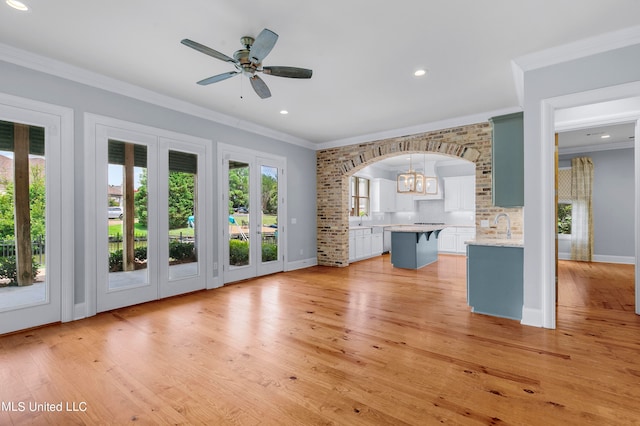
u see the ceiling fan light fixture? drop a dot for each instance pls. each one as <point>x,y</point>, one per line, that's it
<point>18,5</point>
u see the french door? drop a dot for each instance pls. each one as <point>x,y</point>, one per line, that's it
<point>36,226</point>
<point>252,212</point>
<point>150,192</point>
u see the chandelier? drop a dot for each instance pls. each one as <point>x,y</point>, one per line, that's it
<point>410,182</point>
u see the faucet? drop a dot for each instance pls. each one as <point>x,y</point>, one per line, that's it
<point>495,222</point>
<point>361,216</point>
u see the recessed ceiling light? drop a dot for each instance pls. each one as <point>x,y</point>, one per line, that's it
<point>18,5</point>
<point>605,136</point>
<point>284,112</point>
<point>420,73</point>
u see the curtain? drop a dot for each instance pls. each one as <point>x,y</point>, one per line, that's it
<point>581,209</point>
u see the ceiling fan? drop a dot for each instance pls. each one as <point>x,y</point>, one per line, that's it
<point>248,61</point>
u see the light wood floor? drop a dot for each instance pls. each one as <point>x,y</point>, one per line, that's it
<point>363,345</point>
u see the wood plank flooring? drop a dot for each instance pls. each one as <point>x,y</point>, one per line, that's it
<point>364,345</point>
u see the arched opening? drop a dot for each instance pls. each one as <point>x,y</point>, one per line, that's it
<point>336,165</point>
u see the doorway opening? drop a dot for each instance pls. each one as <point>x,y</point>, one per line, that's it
<point>607,280</point>
<point>579,111</point>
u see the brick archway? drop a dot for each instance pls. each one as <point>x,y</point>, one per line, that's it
<point>334,167</point>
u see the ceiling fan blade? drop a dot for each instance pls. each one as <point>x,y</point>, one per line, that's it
<point>217,78</point>
<point>260,87</point>
<point>207,50</point>
<point>262,45</point>
<point>289,72</point>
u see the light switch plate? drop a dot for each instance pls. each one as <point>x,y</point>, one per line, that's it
<point>484,223</point>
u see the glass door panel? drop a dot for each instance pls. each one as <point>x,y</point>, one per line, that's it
<point>269,212</point>
<point>239,208</point>
<point>182,209</point>
<point>125,218</point>
<point>127,215</point>
<point>270,200</point>
<point>23,207</point>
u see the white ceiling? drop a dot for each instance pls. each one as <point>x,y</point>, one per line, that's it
<point>363,53</point>
<point>619,135</point>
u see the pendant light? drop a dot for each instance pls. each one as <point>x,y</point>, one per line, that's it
<point>410,182</point>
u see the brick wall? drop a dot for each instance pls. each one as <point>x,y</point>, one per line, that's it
<point>334,167</point>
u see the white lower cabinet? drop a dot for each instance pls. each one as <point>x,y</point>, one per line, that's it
<point>447,240</point>
<point>452,239</point>
<point>352,246</point>
<point>376,244</point>
<point>365,243</point>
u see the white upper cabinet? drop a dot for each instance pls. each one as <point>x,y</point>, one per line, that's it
<point>459,193</point>
<point>383,195</point>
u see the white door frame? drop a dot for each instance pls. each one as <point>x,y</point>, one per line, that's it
<point>548,129</point>
<point>254,159</point>
<point>58,124</point>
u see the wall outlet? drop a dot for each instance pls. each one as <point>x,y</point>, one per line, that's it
<point>215,266</point>
<point>484,223</point>
<point>301,251</point>
<point>294,220</point>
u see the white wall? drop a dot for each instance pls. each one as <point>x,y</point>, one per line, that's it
<point>613,210</point>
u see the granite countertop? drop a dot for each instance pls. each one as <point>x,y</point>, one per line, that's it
<point>416,228</point>
<point>497,242</point>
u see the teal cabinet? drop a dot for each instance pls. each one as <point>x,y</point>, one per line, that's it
<point>508,160</point>
<point>495,280</point>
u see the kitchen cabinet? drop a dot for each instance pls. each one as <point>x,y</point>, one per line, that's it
<point>376,244</point>
<point>495,280</point>
<point>383,195</point>
<point>459,193</point>
<point>352,246</point>
<point>447,241</point>
<point>452,239</point>
<point>507,153</point>
<point>386,241</point>
<point>365,243</point>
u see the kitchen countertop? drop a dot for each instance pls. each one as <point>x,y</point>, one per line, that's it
<point>497,242</point>
<point>415,228</point>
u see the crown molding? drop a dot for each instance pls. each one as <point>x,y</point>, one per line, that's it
<point>579,49</point>
<point>420,128</point>
<point>595,147</point>
<point>80,75</point>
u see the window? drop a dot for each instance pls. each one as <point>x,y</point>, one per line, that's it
<point>359,196</point>
<point>564,218</point>
<point>564,201</point>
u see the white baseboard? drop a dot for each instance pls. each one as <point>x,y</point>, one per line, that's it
<point>532,317</point>
<point>301,264</point>
<point>628,260</point>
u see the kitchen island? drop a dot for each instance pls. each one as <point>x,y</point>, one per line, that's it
<point>414,246</point>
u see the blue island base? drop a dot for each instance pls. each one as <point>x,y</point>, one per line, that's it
<point>413,250</point>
